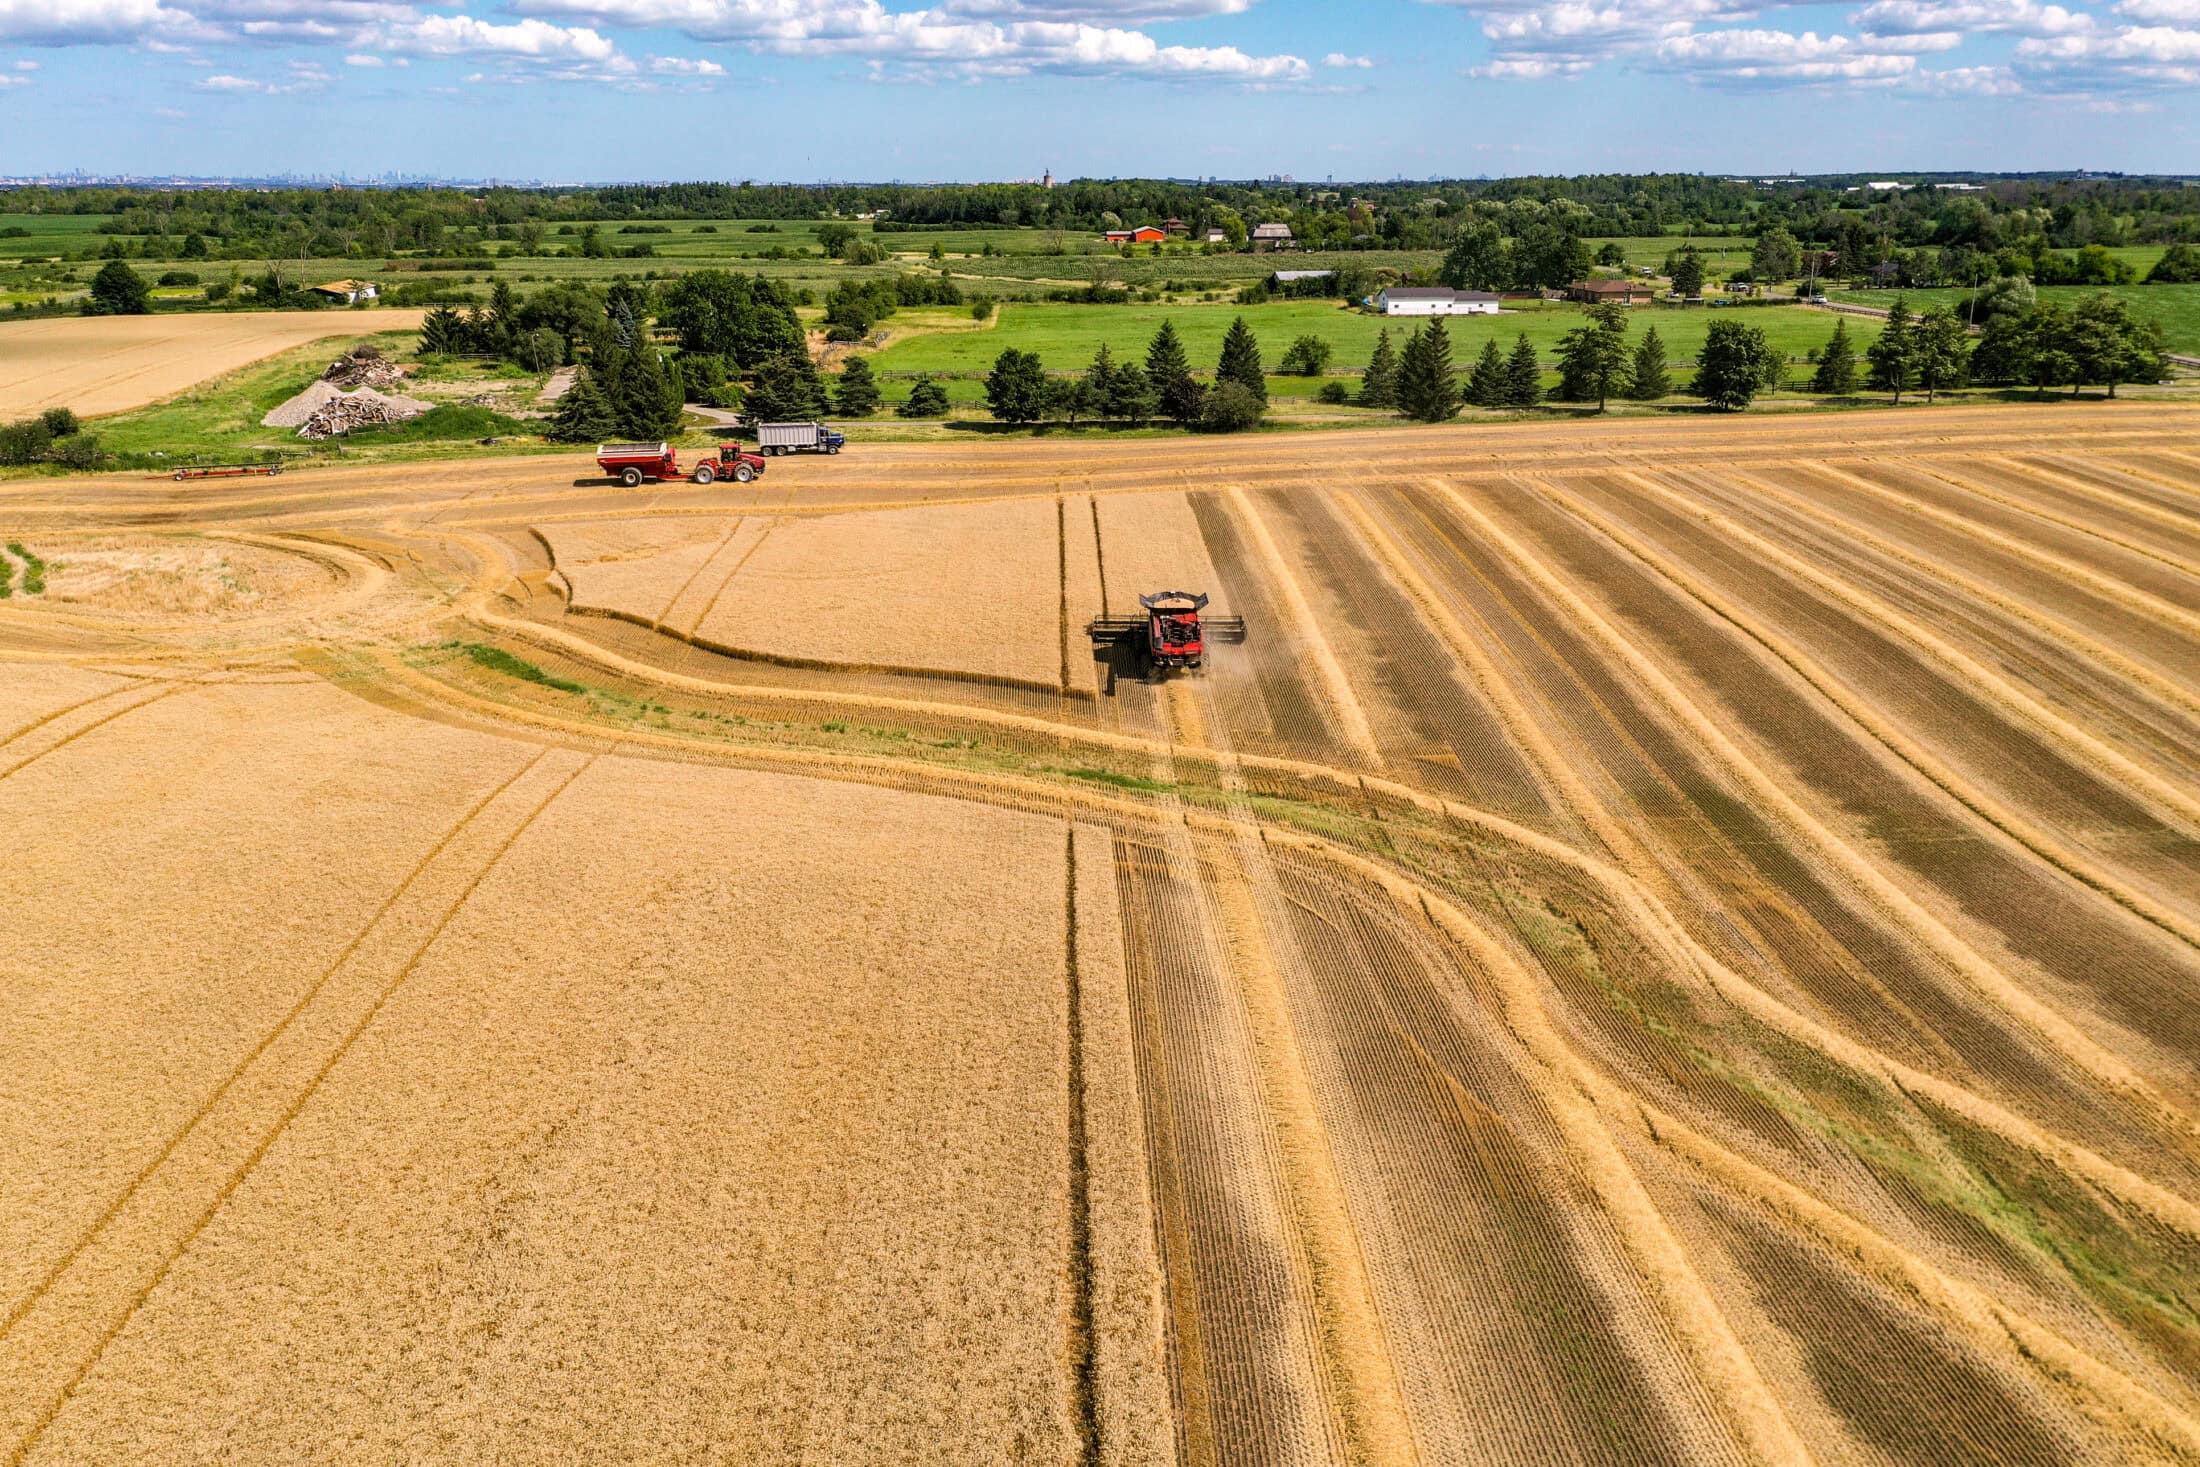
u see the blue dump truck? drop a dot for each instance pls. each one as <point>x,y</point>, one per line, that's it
<point>778,438</point>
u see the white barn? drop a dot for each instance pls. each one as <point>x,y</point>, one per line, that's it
<point>1435,300</point>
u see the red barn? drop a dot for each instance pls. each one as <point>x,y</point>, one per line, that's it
<point>1143,234</point>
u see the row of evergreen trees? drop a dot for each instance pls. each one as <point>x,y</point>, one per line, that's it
<point>1019,390</point>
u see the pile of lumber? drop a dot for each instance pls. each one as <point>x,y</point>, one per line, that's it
<point>363,366</point>
<point>343,411</point>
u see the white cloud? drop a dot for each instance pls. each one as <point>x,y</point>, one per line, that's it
<point>1965,81</point>
<point>2130,56</point>
<point>681,66</point>
<point>1536,68</point>
<point>932,39</point>
<point>1338,58</point>
<point>13,81</point>
<point>2018,17</point>
<point>1095,12</point>
<point>2161,12</point>
<point>358,60</point>
<point>1755,56</point>
<point>85,22</point>
<point>26,66</point>
<point>463,35</point>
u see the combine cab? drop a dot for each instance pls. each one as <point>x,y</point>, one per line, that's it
<point>1171,635</point>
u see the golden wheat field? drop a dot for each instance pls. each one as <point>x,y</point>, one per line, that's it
<point>110,364</point>
<point>1669,942</point>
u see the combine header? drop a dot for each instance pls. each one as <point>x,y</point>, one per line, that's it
<point>1171,634</point>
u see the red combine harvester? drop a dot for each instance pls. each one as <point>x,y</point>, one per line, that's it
<point>1171,634</point>
<point>630,463</point>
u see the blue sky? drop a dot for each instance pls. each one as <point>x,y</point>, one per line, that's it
<point>571,90</point>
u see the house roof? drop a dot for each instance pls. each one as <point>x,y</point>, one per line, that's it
<point>1608,287</point>
<point>1271,231</point>
<point>1423,293</point>
<point>342,287</point>
<point>1304,274</point>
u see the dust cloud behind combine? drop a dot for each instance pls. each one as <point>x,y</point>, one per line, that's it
<point>1670,943</point>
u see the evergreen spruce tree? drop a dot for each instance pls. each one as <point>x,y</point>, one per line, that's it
<point>1649,380</point>
<point>1379,388</point>
<point>1487,385</point>
<point>1893,356</point>
<point>1592,358</point>
<point>927,399</point>
<point>857,394</point>
<point>1169,376</point>
<point>1241,361</point>
<point>1523,375</point>
<point>584,414</point>
<point>1836,374</point>
<point>1427,390</point>
<point>441,330</point>
<point>1100,381</point>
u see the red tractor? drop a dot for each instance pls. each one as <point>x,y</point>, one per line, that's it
<point>1171,635</point>
<point>630,463</point>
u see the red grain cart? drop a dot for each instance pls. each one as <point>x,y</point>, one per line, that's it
<point>630,463</point>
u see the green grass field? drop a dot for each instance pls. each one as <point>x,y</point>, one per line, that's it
<point>2177,307</point>
<point>219,421</point>
<point>1066,336</point>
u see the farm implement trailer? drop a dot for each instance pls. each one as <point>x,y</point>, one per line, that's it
<point>1171,635</point>
<point>219,471</point>
<point>631,463</point>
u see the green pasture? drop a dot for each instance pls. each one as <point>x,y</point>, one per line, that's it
<point>1067,336</point>
<point>2177,307</point>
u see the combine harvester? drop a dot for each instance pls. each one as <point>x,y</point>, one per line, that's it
<point>1171,635</point>
<point>630,463</point>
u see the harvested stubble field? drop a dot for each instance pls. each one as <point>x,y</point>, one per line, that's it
<point>109,364</point>
<point>1672,942</point>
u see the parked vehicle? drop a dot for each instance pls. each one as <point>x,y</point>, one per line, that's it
<point>798,438</point>
<point>630,463</point>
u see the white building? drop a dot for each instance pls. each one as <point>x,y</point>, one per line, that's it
<point>350,292</point>
<point>1435,300</point>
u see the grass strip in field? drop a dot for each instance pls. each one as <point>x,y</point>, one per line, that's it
<point>496,659</point>
<point>34,570</point>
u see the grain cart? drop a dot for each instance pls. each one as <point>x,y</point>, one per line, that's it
<point>1171,635</point>
<point>798,438</point>
<point>630,463</point>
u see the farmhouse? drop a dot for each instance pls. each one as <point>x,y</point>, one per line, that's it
<point>1272,237</point>
<point>1435,300</point>
<point>1143,234</point>
<point>347,292</point>
<point>1176,226</point>
<point>1620,292</point>
<point>1218,236</point>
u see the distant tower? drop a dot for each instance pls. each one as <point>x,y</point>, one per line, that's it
<point>1046,179</point>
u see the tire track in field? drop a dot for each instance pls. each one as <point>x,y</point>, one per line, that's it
<point>237,1178</point>
<point>2076,1046</point>
<point>1083,1341</point>
<point>2039,841</point>
<point>167,689</point>
<point>2037,467</point>
<point>267,1041</point>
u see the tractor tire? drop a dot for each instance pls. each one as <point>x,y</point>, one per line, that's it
<point>704,473</point>
<point>632,478</point>
<point>180,476</point>
<point>742,473</point>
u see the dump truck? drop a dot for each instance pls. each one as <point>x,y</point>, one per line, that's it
<point>630,463</point>
<point>1171,635</point>
<point>798,438</point>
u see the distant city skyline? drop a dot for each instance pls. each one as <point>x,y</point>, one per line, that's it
<point>976,90</point>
